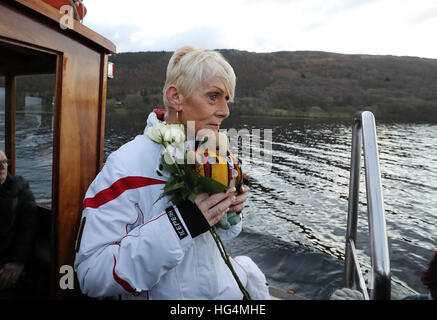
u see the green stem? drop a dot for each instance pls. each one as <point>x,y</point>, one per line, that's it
<point>172,159</point>
<point>225,257</point>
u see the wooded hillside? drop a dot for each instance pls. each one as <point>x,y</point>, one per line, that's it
<point>296,84</point>
<point>302,84</point>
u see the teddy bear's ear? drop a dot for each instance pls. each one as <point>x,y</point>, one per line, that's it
<point>222,144</point>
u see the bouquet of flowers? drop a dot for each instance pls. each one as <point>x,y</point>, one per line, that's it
<point>191,174</point>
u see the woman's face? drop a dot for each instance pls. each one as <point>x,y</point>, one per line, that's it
<point>3,167</point>
<point>207,106</point>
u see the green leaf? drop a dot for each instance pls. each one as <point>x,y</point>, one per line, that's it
<point>204,140</point>
<point>173,187</point>
<point>162,195</point>
<point>168,167</point>
<point>210,185</point>
<point>192,197</point>
<point>187,183</point>
<point>171,181</point>
<point>185,192</point>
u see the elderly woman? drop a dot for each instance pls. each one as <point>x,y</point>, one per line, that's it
<point>18,223</point>
<point>130,245</point>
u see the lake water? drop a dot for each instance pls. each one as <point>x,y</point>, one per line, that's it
<point>295,216</point>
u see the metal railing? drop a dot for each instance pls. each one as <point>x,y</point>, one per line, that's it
<point>379,284</point>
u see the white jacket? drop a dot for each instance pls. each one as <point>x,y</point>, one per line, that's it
<point>130,246</point>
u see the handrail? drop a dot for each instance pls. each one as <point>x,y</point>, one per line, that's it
<point>364,133</point>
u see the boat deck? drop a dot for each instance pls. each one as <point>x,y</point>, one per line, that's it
<point>280,294</point>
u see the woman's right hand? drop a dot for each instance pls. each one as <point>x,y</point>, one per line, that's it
<point>214,207</point>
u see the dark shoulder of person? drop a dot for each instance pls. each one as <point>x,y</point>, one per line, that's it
<point>18,186</point>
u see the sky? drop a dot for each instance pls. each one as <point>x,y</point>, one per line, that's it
<point>381,27</point>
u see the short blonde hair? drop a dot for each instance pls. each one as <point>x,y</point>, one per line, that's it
<point>190,66</point>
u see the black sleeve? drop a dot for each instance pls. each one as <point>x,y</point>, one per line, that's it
<point>193,218</point>
<point>26,226</point>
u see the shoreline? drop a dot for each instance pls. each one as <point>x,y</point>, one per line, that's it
<point>301,116</point>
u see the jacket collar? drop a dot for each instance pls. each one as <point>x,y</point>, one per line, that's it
<point>151,120</point>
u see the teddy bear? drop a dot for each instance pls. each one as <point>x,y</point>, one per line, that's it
<point>215,160</point>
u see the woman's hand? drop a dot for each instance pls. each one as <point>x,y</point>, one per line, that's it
<point>214,207</point>
<point>237,204</point>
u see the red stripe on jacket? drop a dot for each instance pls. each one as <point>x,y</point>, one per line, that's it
<point>117,188</point>
<point>126,286</point>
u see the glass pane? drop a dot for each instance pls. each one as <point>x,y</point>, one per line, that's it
<point>34,132</point>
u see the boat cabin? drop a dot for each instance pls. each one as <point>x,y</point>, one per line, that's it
<point>33,42</point>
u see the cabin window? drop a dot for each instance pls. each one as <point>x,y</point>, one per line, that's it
<point>33,131</point>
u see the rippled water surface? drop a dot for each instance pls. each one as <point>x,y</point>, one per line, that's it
<point>295,217</point>
<point>303,199</point>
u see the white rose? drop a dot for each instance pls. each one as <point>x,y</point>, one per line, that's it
<point>167,135</point>
<point>174,134</point>
<point>156,132</point>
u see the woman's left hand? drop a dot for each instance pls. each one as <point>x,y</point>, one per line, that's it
<point>238,204</point>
